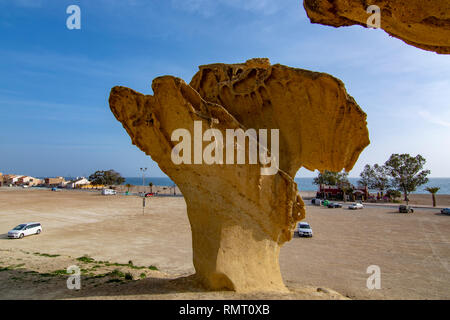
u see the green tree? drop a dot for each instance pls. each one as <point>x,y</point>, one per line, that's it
<point>433,191</point>
<point>375,177</point>
<point>406,172</point>
<point>331,178</point>
<point>393,194</point>
<point>366,176</point>
<point>106,177</point>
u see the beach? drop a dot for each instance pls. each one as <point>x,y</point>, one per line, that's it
<point>412,250</point>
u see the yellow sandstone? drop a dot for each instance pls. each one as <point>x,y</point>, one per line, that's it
<point>424,24</point>
<point>239,217</point>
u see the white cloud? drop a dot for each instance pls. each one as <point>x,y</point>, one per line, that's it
<point>434,119</point>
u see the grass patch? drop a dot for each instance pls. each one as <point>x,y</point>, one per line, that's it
<point>45,275</point>
<point>142,275</point>
<point>136,267</point>
<point>99,264</point>
<point>116,273</point>
<point>86,259</point>
<point>11,267</point>
<point>60,272</point>
<point>47,255</point>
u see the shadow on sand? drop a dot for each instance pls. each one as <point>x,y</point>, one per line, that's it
<point>16,283</point>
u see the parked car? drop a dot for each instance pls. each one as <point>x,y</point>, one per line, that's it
<point>325,203</point>
<point>356,206</point>
<point>334,205</point>
<point>317,202</point>
<point>150,194</point>
<point>445,211</point>
<point>106,192</point>
<point>405,209</point>
<point>304,230</point>
<point>25,229</point>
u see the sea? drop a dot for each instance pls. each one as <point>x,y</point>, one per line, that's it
<point>304,184</point>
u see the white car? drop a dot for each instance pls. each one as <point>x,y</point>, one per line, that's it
<point>25,229</point>
<point>107,192</point>
<point>356,206</point>
<point>304,230</point>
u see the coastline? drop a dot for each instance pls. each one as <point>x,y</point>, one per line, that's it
<point>422,200</point>
<point>305,184</point>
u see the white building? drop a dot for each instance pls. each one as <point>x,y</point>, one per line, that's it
<point>28,181</point>
<point>78,182</point>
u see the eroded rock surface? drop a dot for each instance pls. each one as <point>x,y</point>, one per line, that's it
<point>239,217</point>
<point>424,24</point>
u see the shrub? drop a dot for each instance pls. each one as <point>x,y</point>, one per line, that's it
<point>86,259</point>
<point>128,276</point>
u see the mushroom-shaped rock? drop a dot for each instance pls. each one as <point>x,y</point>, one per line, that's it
<point>424,24</point>
<point>240,209</point>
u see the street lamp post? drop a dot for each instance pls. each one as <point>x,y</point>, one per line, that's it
<point>143,176</point>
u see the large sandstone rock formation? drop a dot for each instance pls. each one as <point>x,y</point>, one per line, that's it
<point>424,24</point>
<point>240,217</point>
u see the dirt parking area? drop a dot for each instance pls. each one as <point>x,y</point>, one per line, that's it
<point>412,251</point>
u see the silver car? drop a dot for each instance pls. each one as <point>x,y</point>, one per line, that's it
<point>304,230</point>
<point>25,229</point>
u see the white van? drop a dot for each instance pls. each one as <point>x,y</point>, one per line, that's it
<point>25,229</point>
<point>107,192</point>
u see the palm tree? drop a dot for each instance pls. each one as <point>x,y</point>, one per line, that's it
<point>151,187</point>
<point>433,191</point>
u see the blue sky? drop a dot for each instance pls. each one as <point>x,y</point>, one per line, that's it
<point>55,82</point>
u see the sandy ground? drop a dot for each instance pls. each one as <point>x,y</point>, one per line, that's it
<point>412,251</point>
<point>442,200</point>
